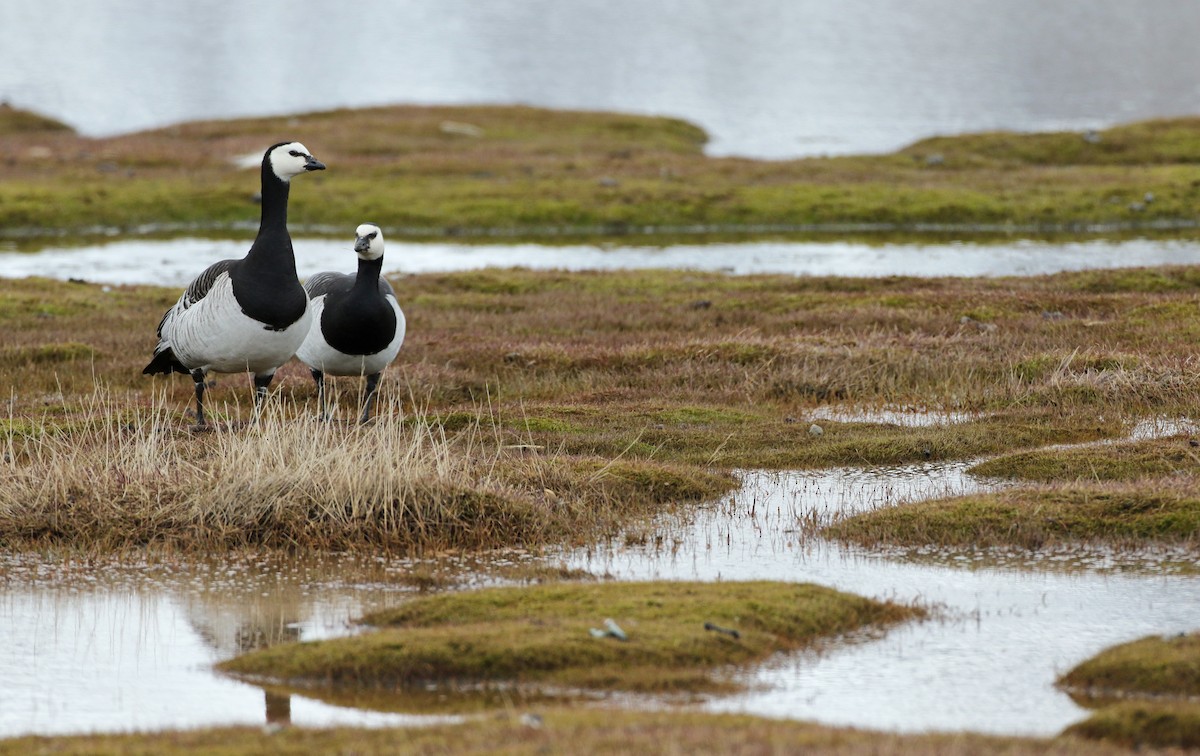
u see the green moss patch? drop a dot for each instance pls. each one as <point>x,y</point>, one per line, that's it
<point>1154,666</point>
<point>1125,461</point>
<point>1119,515</point>
<point>45,354</point>
<point>546,635</point>
<point>1142,724</point>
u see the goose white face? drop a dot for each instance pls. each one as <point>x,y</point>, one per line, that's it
<point>369,242</point>
<point>292,159</point>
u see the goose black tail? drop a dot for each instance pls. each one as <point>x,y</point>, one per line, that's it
<point>164,363</point>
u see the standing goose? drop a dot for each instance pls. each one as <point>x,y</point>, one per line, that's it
<point>357,325</point>
<point>247,315</point>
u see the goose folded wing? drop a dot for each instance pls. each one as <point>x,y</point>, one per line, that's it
<point>320,284</point>
<point>197,289</point>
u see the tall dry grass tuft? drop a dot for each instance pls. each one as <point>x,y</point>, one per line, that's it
<point>122,476</point>
<point>124,472</point>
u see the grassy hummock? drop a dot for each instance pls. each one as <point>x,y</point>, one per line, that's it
<point>121,475</point>
<point>1143,724</point>
<point>1152,666</point>
<point>543,636</point>
<point>1119,515</point>
<point>1157,457</point>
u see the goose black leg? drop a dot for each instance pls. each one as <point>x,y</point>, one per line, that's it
<point>198,377</point>
<point>369,399</point>
<point>319,378</point>
<point>261,382</point>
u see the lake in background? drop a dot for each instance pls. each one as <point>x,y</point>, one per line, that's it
<point>766,78</point>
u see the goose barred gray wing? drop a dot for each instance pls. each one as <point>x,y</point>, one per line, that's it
<point>320,284</point>
<point>197,289</point>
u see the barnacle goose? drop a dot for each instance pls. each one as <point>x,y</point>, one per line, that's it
<point>357,325</point>
<point>249,314</point>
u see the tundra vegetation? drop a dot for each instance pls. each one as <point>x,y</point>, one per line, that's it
<point>428,171</point>
<point>544,408</point>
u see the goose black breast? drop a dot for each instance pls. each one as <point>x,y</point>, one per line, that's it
<point>357,325</point>
<point>275,299</point>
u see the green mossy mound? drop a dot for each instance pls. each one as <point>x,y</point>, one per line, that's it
<point>1129,461</point>
<point>1154,666</point>
<point>678,636</point>
<point>1120,516</point>
<point>18,121</point>
<point>1143,724</point>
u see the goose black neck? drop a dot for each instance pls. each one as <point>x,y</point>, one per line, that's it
<point>265,282</point>
<point>274,202</point>
<point>367,279</point>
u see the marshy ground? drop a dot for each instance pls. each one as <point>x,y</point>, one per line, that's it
<point>548,405</point>
<point>531,409</point>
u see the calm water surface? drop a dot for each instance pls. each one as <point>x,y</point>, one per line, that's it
<point>175,262</point>
<point>766,78</point>
<point>131,648</point>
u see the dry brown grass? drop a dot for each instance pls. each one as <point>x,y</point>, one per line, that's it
<point>586,368</point>
<point>563,731</point>
<point>118,477</point>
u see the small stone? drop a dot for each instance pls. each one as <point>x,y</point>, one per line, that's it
<point>1148,197</point>
<point>1091,136</point>
<point>815,430</point>
<point>615,630</point>
<point>1136,207</point>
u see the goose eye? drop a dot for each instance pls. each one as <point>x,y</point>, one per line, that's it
<point>294,153</point>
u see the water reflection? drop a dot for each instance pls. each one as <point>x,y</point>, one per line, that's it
<point>92,648</point>
<point>174,262</point>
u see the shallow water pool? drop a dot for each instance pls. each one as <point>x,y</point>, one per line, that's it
<point>107,647</point>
